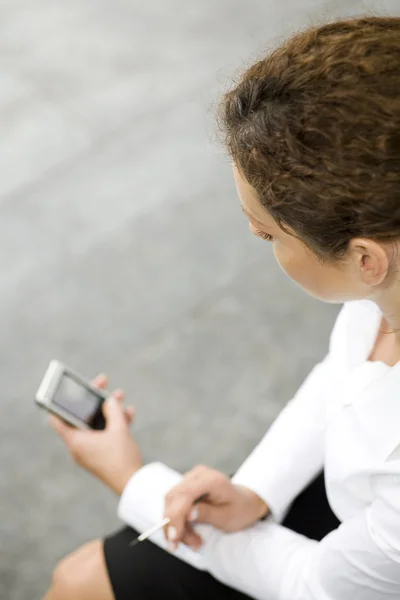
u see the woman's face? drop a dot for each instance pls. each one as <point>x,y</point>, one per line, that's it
<point>327,282</point>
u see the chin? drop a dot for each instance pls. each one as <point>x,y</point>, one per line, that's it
<point>331,297</point>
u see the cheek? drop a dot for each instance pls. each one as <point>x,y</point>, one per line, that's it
<point>321,282</point>
<point>287,260</point>
<point>298,266</point>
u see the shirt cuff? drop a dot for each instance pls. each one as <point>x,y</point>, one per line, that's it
<point>142,501</point>
<point>142,505</point>
<point>273,495</point>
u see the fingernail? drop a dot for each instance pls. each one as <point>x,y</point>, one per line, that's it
<point>194,515</point>
<point>111,400</point>
<point>172,534</point>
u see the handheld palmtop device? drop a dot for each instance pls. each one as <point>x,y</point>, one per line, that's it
<point>71,397</point>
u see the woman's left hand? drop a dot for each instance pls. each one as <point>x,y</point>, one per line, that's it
<point>112,454</point>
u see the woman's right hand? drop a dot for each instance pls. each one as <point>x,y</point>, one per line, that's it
<point>226,506</point>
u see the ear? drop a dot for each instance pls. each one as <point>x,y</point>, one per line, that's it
<point>372,260</point>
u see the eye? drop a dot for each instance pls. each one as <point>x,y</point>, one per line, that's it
<point>265,236</point>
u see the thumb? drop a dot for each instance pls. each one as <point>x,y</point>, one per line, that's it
<point>114,413</point>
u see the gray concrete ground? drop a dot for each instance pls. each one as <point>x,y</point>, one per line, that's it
<point>123,249</point>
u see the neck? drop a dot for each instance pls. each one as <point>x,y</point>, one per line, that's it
<point>389,303</point>
<point>387,343</point>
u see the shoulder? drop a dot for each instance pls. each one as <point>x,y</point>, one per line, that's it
<point>354,331</point>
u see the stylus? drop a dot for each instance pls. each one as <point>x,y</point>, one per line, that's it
<point>158,526</point>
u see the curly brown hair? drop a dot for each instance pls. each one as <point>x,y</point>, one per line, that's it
<point>314,127</point>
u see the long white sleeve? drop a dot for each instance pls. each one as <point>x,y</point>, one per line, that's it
<point>361,559</point>
<point>358,561</point>
<point>292,451</point>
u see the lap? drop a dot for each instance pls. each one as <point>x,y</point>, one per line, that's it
<point>147,571</point>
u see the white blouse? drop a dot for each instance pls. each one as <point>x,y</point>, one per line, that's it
<point>345,418</point>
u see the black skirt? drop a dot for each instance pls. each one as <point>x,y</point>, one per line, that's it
<point>154,574</point>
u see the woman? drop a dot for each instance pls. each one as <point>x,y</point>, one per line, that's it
<point>313,130</point>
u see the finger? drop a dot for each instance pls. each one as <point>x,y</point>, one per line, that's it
<point>180,501</point>
<point>180,528</point>
<point>177,514</point>
<point>130,414</point>
<point>100,381</point>
<point>203,513</point>
<point>66,432</point>
<point>119,395</point>
<point>177,511</point>
<point>191,538</point>
<point>208,513</point>
<point>114,414</point>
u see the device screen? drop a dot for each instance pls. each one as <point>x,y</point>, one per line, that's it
<point>80,401</point>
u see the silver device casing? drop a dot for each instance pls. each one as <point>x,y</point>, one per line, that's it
<point>47,389</point>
